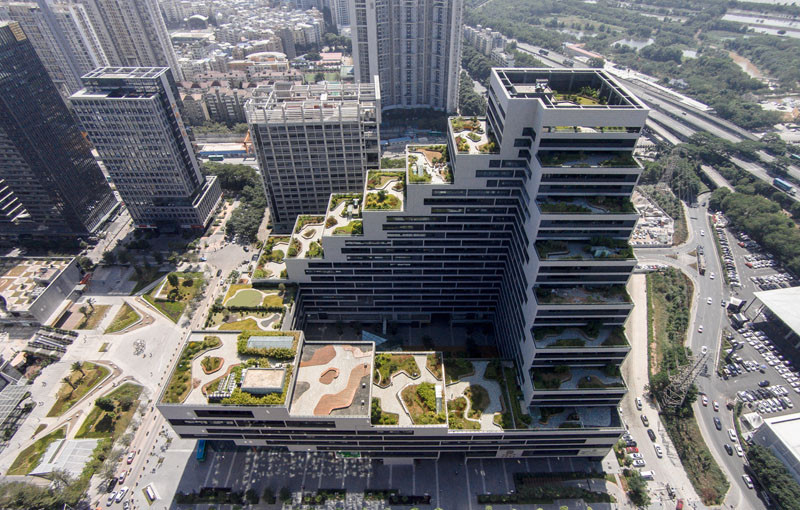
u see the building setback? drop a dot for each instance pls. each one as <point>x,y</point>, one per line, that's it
<point>311,141</point>
<point>413,46</point>
<point>132,117</point>
<point>521,219</point>
<point>49,182</point>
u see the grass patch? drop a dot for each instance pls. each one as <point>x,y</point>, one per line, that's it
<point>455,417</point>
<point>233,289</point>
<point>93,317</point>
<point>246,297</point>
<point>386,365</point>
<point>144,277</point>
<point>669,296</point>
<point>30,457</point>
<point>478,400</point>
<point>272,300</point>
<point>177,296</point>
<point>211,364</point>
<point>126,317</point>
<point>380,417</point>
<point>456,368</point>
<point>181,381</point>
<point>104,347</point>
<point>434,364</point>
<point>420,400</point>
<point>243,325</point>
<point>82,383</point>
<point>104,423</point>
<point>382,201</point>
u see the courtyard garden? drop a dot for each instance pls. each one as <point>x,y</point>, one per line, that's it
<point>125,318</point>
<point>111,414</point>
<point>420,401</point>
<point>245,307</point>
<point>386,365</point>
<point>80,381</point>
<point>30,457</point>
<point>174,293</point>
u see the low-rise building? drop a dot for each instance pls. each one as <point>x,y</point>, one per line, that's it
<point>33,289</point>
<point>781,434</point>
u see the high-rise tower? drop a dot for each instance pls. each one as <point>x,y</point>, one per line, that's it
<point>414,46</point>
<point>133,119</point>
<point>49,181</point>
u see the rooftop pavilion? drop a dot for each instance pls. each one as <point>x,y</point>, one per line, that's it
<point>567,88</point>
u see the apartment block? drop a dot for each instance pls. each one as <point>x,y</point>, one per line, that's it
<point>522,218</point>
<point>311,141</point>
<point>50,185</point>
<point>414,47</point>
<point>132,117</point>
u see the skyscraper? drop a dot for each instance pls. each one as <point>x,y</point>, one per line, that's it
<point>414,46</point>
<point>77,30</point>
<point>132,33</point>
<point>49,181</point>
<point>311,141</point>
<point>132,117</point>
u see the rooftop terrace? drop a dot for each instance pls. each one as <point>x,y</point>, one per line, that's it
<point>567,88</point>
<point>563,377</point>
<point>473,136</point>
<point>583,159</point>
<point>344,215</point>
<point>385,190</point>
<point>602,248</point>
<point>429,164</point>
<point>575,417</point>
<point>306,236</point>
<point>592,336</point>
<point>594,295</point>
<point>24,280</point>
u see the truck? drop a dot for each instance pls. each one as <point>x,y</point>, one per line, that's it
<point>783,186</point>
<point>543,51</point>
<point>701,262</point>
<point>568,63</point>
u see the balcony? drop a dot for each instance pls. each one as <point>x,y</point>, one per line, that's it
<point>599,295</point>
<point>583,159</point>
<point>575,417</point>
<point>599,248</point>
<point>472,136</point>
<point>429,164</point>
<point>566,378</point>
<point>591,336</point>
<point>587,205</point>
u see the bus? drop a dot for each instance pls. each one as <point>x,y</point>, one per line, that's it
<point>216,157</point>
<point>201,450</point>
<point>783,186</point>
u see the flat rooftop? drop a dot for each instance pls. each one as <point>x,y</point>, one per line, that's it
<point>333,380</point>
<point>24,280</point>
<point>128,73</point>
<point>567,88</point>
<point>782,303</point>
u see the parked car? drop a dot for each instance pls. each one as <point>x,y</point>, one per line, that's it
<point>748,481</point>
<point>638,403</point>
<point>639,463</point>
<point>131,455</point>
<point>645,421</point>
<point>732,435</point>
<point>651,434</point>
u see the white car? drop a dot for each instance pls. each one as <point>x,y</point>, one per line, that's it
<point>716,405</point>
<point>639,463</point>
<point>659,451</point>
<point>712,276</point>
<point>636,456</point>
<point>121,494</point>
<point>732,435</point>
<point>638,403</point>
<point>748,481</point>
<point>709,300</point>
<point>700,329</point>
<point>739,451</point>
<point>111,498</point>
<point>702,232</point>
<point>705,400</point>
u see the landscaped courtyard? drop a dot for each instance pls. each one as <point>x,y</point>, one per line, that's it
<point>174,293</point>
<point>247,308</point>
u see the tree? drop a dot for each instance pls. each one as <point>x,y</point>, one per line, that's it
<point>68,382</point>
<point>78,367</point>
<point>105,403</point>
<point>172,278</point>
<point>91,302</point>
<point>108,257</point>
<point>319,77</point>
<point>126,439</point>
<point>637,489</point>
<point>596,62</point>
<point>313,56</point>
<point>84,311</point>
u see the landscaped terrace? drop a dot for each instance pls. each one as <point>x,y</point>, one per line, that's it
<point>385,189</point>
<point>305,241</point>
<point>344,215</point>
<point>575,417</point>
<point>594,295</point>
<point>429,164</point>
<point>472,136</point>
<point>408,390</point>
<point>600,248</point>
<point>225,368</point>
<point>271,262</point>
<point>563,377</point>
<point>587,205</point>
<point>584,159</point>
<point>592,336</point>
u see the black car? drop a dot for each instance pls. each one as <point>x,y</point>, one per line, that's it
<point>717,423</point>
<point>630,443</point>
<point>729,449</point>
<point>764,383</point>
<point>651,434</point>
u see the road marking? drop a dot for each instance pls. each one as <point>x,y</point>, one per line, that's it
<point>483,477</point>
<point>505,475</point>
<point>210,466</point>
<point>230,469</point>
<point>305,470</point>
<point>414,478</point>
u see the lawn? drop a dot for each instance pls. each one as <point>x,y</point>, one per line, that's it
<point>456,368</point>
<point>173,308</point>
<point>243,325</point>
<point>68,396</point>
<point>233,289</point>
<point>30,457</point>
<point>126,317</point>
<point>478,400</point>
<point>101,424</point>
<point>145,277</point>
<point>386,365</point>
<point>94,316</point>
<point>246,297</point>
<point>420,400</point>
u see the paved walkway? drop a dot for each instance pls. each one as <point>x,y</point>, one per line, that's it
<point>391,395</point>
<point>457,389</point>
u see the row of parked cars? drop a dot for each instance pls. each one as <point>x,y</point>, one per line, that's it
<point>767,400</point>
<point>774,281</point>
<point>727,258</point>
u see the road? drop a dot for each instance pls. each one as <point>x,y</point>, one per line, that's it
<point>712,317</point>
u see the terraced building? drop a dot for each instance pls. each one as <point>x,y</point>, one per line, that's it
<point>521,219</point>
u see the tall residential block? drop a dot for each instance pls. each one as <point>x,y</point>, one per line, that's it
<point>132,33</point>
<point>520,219</point>
<point>413,46</point>
<point>311,141</point>
<point>132,117</point>
<point>49,182</point>
<point>77,30</point>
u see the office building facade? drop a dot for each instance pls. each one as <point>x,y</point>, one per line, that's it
<point>311,141</point>
<point>132,117</point>
<point>521,219</point>
<point>51,183</point>
<point>413,47</point>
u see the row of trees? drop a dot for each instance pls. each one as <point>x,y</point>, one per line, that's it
<point>470,103</point>
<point>243,182</point>
<point>776,479</point>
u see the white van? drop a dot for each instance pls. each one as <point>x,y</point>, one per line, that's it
<point>151,495</point>
<point>648,475</point>
<point>732,435</point>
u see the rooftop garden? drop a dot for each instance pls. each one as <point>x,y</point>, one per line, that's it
<point>180,383</point>
<point>275,353</point>
<point>582,159</point>
<point>315,251</point>
<point>563,377</point>
<point>513,415</point>
<point>271,254</point>
<point>429,164</point>
<point>354,228</point>
<point>306,219</point>
<point>338,198</point>
<point>173,295</point>
<point>386,365</point>
<point>294,248</point>
<point>596,248</point>
<point>473,125</point>
<point>588,205</point>
<point>600,294</point>
<point>584,96</point>
<point>380,417</point>
<point>420,401</point>
<point>381,200</point>
<point>243,398</point>
<point>378,179</point>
